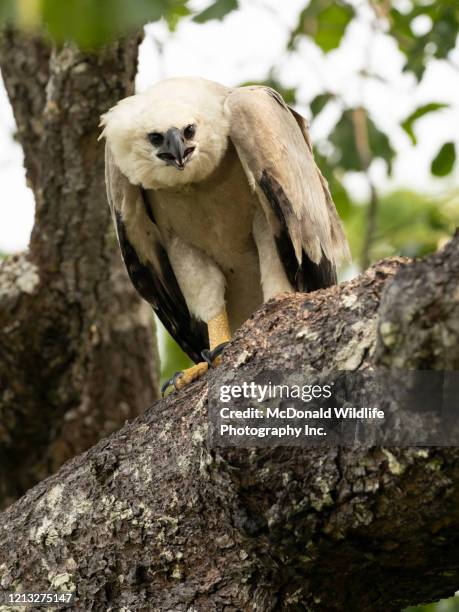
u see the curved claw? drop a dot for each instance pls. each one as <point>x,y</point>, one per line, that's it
<point>211,355</point>
<point>172,382</point>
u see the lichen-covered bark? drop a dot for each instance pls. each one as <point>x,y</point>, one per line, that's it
<point>418,319</point>
<point>76,345</point>
<point>152,518</point>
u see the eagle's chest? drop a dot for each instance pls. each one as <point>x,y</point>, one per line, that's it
<point>215,216</point>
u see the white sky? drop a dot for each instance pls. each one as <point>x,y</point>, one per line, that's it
<point>244,47</point>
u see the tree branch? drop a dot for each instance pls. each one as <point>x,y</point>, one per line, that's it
<point>152,517</point>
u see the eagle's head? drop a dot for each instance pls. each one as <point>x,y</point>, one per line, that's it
<point>169,136</point>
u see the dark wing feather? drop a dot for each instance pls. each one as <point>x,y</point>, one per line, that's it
<point>152,276</point>
<point>304,276</point>
<point>273,145</point>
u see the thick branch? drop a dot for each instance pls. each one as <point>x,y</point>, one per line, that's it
<point>152,518</point>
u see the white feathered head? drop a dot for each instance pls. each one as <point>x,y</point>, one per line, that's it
<point>172,134</point>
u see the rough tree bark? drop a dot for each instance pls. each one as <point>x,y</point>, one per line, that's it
<point>76,345</point>
<point>152,518</point>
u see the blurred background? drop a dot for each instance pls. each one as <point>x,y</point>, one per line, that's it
<point>377,79</point>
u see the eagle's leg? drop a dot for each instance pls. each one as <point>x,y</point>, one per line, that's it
<point>219,337</point>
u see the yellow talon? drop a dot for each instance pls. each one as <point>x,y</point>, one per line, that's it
<point>191,374</point>
<point>219,333</point>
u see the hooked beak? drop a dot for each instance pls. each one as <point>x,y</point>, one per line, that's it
<point>173,151</point>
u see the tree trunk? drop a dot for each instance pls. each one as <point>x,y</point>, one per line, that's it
<point>153,518</point>
<point>76,344</point>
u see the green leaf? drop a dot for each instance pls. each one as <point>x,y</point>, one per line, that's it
<point>444,161</point>
<point>175,14</point>
<point>325,21</point>
<point>319,103</point>
<point>217,10</point>
<point>332,25</point>
<point>346,155</point>
<point>91,23</point>
<point>409,122</point>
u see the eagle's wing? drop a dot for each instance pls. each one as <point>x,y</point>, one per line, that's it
<point>147,262</point>
<point>275,151</point>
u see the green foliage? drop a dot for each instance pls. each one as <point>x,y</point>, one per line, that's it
<point>352,147</point>
<point>325,21</point>
<point>174,16</point>
<point>408,224</point>
<point>319,103</point>
<point>63,19</point>
<point>436,43</point>
<point>444,161</point>
<point>408,123</point>
<point>346,155</point>
<point>91,23</point>
<point>217,10</point>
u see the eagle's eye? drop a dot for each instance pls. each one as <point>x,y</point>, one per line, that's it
<point>155,138</point>
<point>189,131</point>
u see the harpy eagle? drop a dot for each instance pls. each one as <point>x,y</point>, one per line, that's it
<point>218,206</point>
